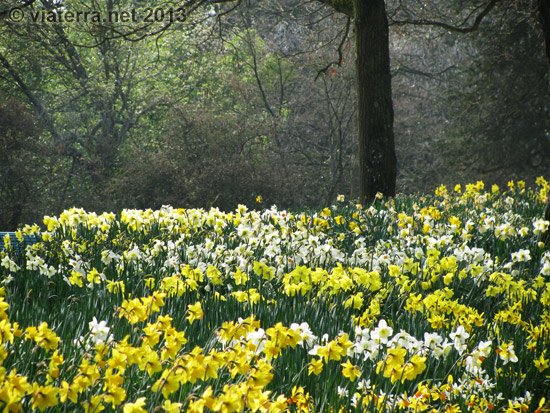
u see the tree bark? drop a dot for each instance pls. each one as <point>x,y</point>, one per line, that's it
<point>544,17</point>
<point>377,159</point>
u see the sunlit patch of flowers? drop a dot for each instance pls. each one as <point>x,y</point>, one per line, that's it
<point>423,304</point>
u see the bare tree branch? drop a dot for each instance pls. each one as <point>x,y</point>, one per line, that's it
<point>450,27</point>
<point>342,6</point>
<point>340,53</point>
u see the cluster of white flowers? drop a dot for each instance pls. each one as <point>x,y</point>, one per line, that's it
<point>9,264</point>
<point>522,255</point>
<point>369,342</point>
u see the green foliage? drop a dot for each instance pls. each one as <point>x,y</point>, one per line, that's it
<point>25,162</point>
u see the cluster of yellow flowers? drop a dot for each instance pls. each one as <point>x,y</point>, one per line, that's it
<point>105,369</point>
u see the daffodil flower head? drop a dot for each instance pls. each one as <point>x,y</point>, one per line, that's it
<point>382,333</point>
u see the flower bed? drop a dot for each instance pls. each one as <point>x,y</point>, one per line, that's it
<point>433,303</point>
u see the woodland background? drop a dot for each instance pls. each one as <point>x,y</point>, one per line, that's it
<point>258,98</point>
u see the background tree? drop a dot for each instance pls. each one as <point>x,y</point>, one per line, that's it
<point>262,99</point>
<point>260,125</point>
<point>485,91</point>
<point>503,124</point>
<point>377,159</point>
<point>24,163</point>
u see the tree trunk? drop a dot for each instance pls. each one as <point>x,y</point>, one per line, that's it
<point>544,17</point>
<point>377,160</point>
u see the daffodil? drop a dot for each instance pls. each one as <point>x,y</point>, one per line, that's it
<point>415,366</point>
<point>44,396</point>
<point>136,407</point>
<point>261,375</point>
<point>350,371</point>
<point>506,353</point>
<point>315,367</point>
<point>382,333</point>
<point>168,383</point>
<point>194,312</point>
<point>459,338</point>
<point>542,363</point>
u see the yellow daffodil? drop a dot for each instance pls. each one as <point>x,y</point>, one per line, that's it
<point>194,312</point>
<point>350,371</point>
<point>136,407</point>
<point>315,366</point>
<point>44,396</point>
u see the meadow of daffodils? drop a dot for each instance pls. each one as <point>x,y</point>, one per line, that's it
<point>439,303</point>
